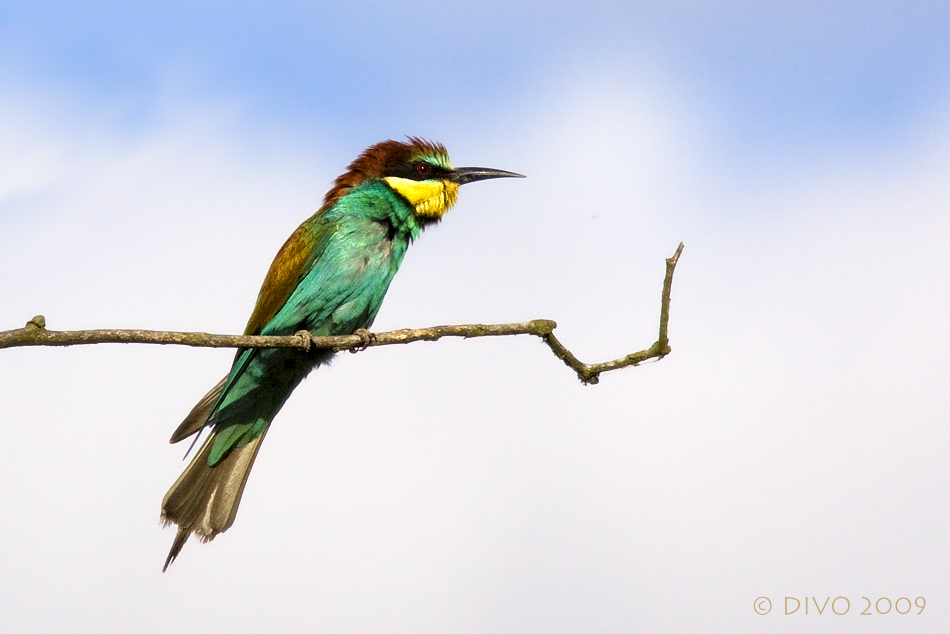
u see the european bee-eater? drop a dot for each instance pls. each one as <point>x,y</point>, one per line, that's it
<point>329,278</point>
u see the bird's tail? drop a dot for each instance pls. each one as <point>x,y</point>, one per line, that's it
<point>204,500</point>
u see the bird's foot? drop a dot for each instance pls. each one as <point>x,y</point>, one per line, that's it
<point>306,337</point>
<point>366,339</point>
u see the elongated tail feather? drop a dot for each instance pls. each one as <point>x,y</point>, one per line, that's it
<point>199,414</point>
<point>204,500</point>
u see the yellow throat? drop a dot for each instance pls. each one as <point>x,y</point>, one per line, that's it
<point>429,198</point>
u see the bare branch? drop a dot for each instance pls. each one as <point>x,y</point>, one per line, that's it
<point>589,373</point>
<point>36,334</point>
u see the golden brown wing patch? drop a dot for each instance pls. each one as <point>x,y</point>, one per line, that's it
<point>290,265</point>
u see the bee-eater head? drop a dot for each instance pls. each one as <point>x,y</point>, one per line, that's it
<point>419,171</point>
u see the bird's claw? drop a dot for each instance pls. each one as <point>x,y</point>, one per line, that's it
<point>366,339</point>
<point>307,338</point>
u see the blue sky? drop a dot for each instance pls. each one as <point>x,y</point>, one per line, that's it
<point>776,72</point>
<point>154,157</point>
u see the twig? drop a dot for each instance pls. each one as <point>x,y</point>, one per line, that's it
<point>589,373</point>
<point>36,334</point>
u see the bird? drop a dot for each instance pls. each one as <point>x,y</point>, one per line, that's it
<point>329,278</point>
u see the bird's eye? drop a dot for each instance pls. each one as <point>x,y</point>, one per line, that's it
<point>423,169</point>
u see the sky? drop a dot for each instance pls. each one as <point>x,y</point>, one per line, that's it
<point>793,448</point>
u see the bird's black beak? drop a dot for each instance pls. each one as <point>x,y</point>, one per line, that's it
<point>462,175</point>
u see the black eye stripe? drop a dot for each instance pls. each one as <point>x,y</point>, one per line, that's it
<point>417,170</point>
